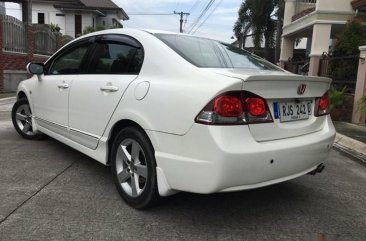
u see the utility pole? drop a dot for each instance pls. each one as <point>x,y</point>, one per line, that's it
<point>181,19</point>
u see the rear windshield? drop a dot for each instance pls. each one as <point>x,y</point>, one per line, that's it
<point>207,53</point>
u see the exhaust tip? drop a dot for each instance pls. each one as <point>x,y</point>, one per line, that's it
<point>318,169</point>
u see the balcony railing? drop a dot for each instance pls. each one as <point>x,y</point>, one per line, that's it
<point>303,8</point>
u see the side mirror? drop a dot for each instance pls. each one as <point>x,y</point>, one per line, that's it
<point>35,68</point>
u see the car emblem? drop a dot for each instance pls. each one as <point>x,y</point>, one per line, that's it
<point>301,89</point>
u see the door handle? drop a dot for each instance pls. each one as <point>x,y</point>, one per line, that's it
<point>109,88</point>
<point>63,86</point>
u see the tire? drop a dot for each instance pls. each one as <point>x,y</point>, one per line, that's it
<point>21,116</point>
<point>133,168</point>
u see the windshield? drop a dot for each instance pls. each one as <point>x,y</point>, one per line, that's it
<point>207,53</point>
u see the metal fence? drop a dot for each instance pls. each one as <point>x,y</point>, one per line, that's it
<point>302,5</point>
<point>342,69</point>
<point>300,67</point>
<point>44,40</point>
<point>14,35</point>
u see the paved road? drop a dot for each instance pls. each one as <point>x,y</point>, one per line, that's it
<point>50,192</point>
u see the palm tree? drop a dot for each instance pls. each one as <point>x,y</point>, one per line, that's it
<point>258,16</point>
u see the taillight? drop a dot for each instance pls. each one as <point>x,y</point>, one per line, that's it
<point>228,106</point>
<point>322,105</point>
<point>256,106</point>
<point>235,108</point>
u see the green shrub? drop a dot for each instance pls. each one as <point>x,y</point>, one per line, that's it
<point>362,104</point>
<point>336,97</point>
<point>90,29</point>
<point>99,27</point>
<point>54,27</point>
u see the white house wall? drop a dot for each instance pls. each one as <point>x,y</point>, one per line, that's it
<point>334,5</point>
<point>49,15</point>
<point>86,20</point>
<point>108,20</point>
<point>70,24</point>
<point>66,22</point>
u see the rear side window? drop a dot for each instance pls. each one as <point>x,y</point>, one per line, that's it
<point>207,53</point>
<point>116,58</point>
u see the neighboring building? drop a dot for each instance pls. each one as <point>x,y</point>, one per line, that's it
<point>318,20</point>
<point>2,8</point>
<point>72,16</point>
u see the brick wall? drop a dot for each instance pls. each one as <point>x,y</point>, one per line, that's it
<point>16,61</point>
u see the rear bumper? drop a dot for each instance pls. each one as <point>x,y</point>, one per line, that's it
<point>212,159</point>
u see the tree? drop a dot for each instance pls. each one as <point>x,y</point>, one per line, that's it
<point>347,44</point>
<point>261,17</point>
<point>349,41</point>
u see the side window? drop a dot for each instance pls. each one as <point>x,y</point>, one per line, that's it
<point>116,58</point>
<point>69,62</point>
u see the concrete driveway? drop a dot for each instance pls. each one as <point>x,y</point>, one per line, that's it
<point>48,191</point>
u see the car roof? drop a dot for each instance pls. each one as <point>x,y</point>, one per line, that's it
<point>132,30</point>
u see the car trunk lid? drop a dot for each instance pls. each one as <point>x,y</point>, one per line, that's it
<point>280,90</point>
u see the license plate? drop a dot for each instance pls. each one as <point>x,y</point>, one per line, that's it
<point>292,111</point>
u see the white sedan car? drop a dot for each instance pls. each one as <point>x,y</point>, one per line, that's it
<point>172,112</point>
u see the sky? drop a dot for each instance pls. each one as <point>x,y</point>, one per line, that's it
<point>218,20</point>
<point>219,24</point>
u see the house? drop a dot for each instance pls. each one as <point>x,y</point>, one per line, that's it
<point>73,16</point>
<point>2,8</point>
<point>320,21</point>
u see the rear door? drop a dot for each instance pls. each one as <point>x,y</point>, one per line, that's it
<point>116,61</point>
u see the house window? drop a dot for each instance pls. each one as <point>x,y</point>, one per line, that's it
<point>103,22</point>
<point>41,18</point>
<point>78,25</point>
<point>60,14</point>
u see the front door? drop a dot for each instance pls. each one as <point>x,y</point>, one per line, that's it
<point>51,94</point>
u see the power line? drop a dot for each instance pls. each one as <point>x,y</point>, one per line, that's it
<point>190,10</point>
<point>208,16</point>
<point>204,11</point>
<point>151,14</point>
<point>176,6</point>
<point>194,5</point>
<point>201,15</point>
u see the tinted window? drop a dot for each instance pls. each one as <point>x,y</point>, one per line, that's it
<point>213,54</point>
<point>70,61</point>
<point>116,58</point>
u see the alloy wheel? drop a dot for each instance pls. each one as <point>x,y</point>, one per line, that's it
<point>23,118</point>
<point>131,167</point>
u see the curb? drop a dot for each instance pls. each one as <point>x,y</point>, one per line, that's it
<point>8,99</point>
<point>351,147</point>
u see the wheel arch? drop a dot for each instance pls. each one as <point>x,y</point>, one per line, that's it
<point>21,94</point>
<point>119,125</point>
